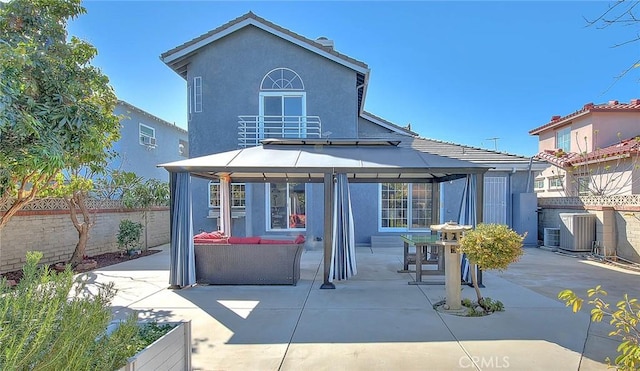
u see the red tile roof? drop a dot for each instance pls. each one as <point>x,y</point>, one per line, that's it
<point>626,147</point>
<point>611,106</point>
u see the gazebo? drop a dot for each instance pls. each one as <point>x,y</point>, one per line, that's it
<point>304,161</point>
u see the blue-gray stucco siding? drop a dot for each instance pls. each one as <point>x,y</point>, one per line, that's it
<point>140,159</point>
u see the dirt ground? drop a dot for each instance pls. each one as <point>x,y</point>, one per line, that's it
<point>102,260</point>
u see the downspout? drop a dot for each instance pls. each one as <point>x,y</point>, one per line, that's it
<point>510,198</point>
<point>529,174</point>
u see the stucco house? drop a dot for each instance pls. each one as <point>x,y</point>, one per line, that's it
<point>592,151</point>
<point>145,141</point>
<point>251,79</point>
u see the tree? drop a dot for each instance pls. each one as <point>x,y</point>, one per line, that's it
<point>144,195</point>
<point>56,109</point>
<point>622,13</point>
<point>624,317</point>
<point>490,246</point>
<point>603,173</point>
<point>606,171</point>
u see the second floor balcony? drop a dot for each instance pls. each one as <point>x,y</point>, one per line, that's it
<point>253,129</point>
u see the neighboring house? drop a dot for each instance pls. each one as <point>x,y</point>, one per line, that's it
<point>147,141</point>
<point>593,151</point>
<point>251,79</point>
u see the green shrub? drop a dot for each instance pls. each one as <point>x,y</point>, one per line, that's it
<point>625,318</point>
<point>52,322</point>
<point>492,246</point>
<point>129,235</point>
<point>150,332</point>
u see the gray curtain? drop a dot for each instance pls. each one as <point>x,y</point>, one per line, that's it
<point>182,268</point>
<point>467,216</point>
<point>343,250</point>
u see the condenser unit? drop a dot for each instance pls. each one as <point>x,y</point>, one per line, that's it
<point>577,231</point>
<point>551,237</point>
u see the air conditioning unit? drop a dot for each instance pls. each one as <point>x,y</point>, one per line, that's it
<point>577,231</point>
<point>148,141</point>
<point>551,237</point>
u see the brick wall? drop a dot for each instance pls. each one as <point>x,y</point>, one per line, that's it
<point>52,232</point>
<point>617,224</point>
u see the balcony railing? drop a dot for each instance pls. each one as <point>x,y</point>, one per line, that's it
<point>252,129</point>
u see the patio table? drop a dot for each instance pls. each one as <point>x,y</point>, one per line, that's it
<point>427,252</point>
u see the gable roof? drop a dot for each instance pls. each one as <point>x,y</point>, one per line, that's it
<point>131,107</point>
<point>611,106</point>
<point>387,124</point>
<point>498,160</point>
<point>175,57</point>
<point>625,148</point>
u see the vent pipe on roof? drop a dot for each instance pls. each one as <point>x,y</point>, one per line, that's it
<point>325,42</point>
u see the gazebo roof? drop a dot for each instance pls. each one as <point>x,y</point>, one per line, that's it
<point>308,160</point>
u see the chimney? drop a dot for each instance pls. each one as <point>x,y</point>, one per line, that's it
<point>555,118</point>
<point>613,102</point>
<point>326,43</point>
<point>588,106</point>
<point>635,101</point>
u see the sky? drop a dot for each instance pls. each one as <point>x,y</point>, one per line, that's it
<point>462,72</point>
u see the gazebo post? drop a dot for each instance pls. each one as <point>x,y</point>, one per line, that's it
<point>328,229</point>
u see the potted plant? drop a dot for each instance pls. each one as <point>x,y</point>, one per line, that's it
<point>129,236</point>
<point>490,246</point>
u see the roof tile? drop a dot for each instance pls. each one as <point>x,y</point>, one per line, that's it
<point>611,106</point>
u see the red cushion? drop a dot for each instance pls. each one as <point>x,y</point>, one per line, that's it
<point>201,235</point>
<point>300,239</point>
<point>211,235</point>
<point>276,242</point>
<point>244,240</point>
<point>215,235</point>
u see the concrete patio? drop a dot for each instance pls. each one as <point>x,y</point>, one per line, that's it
<point>377,321</point>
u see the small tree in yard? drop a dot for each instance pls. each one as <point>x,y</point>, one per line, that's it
<point>490,246</point>
<point>145,195</point>
<point>625,318</point>
<point>50,322</point>
<point>129,235</point>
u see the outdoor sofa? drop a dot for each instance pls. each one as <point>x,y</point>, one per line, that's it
<point>248,261</point>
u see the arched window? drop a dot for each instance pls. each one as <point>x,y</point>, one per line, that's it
<point>281,79</point>
<point>283,105</point>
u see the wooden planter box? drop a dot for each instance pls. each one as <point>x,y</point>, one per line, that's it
<point>171,352</point>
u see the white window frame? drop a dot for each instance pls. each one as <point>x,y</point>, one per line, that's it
<point>217,207</point>
<point>409,211</point>
<point>282,94</point>
<point>552,179</point>
<point>563,139</point>
<point>151,142</point>
<point>267,189</point>
<point>197,94</point>
<point>269,78</point>
<point>579,182</point>
<point>535,184</point>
